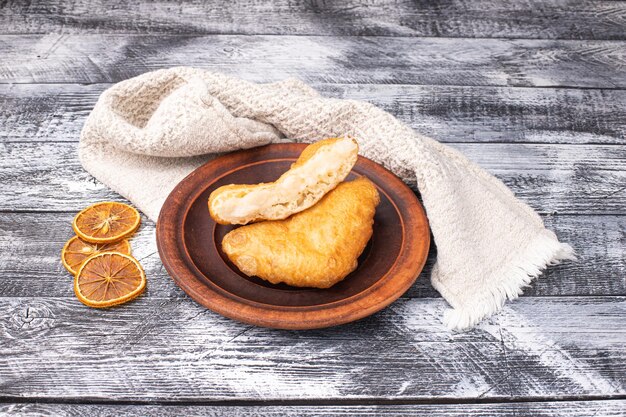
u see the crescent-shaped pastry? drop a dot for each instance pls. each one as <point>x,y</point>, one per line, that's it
<point>319,169</point>
<point>314,248</point>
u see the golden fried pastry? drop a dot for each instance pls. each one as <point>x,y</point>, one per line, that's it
<point>319,169</point>
<point>314,248</point>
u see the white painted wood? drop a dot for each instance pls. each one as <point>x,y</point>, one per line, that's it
<point>568,158</point>
<point>62,58</point>
<point>551,178</point>
<point>607,408</point>
<point>171,349</point>
<point>457,18</point>
<point>30,266</point>
<point>57,112</point>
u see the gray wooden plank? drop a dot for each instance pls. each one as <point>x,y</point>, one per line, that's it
<point>45,112</point>
<point>30,245</point>
<point>314,59</point>
<point>47,176</point>
<point>605,408</point>
<point>457,18</point>
<point>171,349</point>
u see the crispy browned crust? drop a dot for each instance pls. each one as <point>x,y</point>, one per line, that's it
<point>317,247</point>
<point>306,154</point>
<point>310,150</point>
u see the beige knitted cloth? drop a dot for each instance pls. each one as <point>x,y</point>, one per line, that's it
<point>147,133</point>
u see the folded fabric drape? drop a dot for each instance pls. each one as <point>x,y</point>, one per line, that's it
<point>147,133</point>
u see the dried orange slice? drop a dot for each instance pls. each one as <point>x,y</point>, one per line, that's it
<point>76,251</point>
<point>109,278</point>
<point>106,222</point>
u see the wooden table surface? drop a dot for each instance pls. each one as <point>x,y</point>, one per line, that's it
<point>534,91</point>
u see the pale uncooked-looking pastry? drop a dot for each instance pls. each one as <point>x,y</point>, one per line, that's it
<point>319,169</point>
<point>314,248</point>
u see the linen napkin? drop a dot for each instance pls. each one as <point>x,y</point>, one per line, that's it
<point>147,133</point>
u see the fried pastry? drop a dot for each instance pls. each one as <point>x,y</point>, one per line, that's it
<point>314,248</point>
<point>319,169</point>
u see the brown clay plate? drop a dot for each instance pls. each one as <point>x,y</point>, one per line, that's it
<point>189,244</point>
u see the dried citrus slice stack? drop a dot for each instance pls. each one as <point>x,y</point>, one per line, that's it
<point>76,251</point>
<point>99,255</point>
<point>108,279</point>
<point>106,222</point>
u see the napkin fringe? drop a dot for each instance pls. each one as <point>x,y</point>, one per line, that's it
<point>544,251</point>
<point>147,133</point>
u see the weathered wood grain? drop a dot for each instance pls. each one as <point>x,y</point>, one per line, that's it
<point>551,178</point>
<point>30,244</point>
<point>606,408</point>
<point>458,18</point>
<point>165,348</point>
<point>56,112</point>
<point>314,59</point>
<point>171,349</point>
